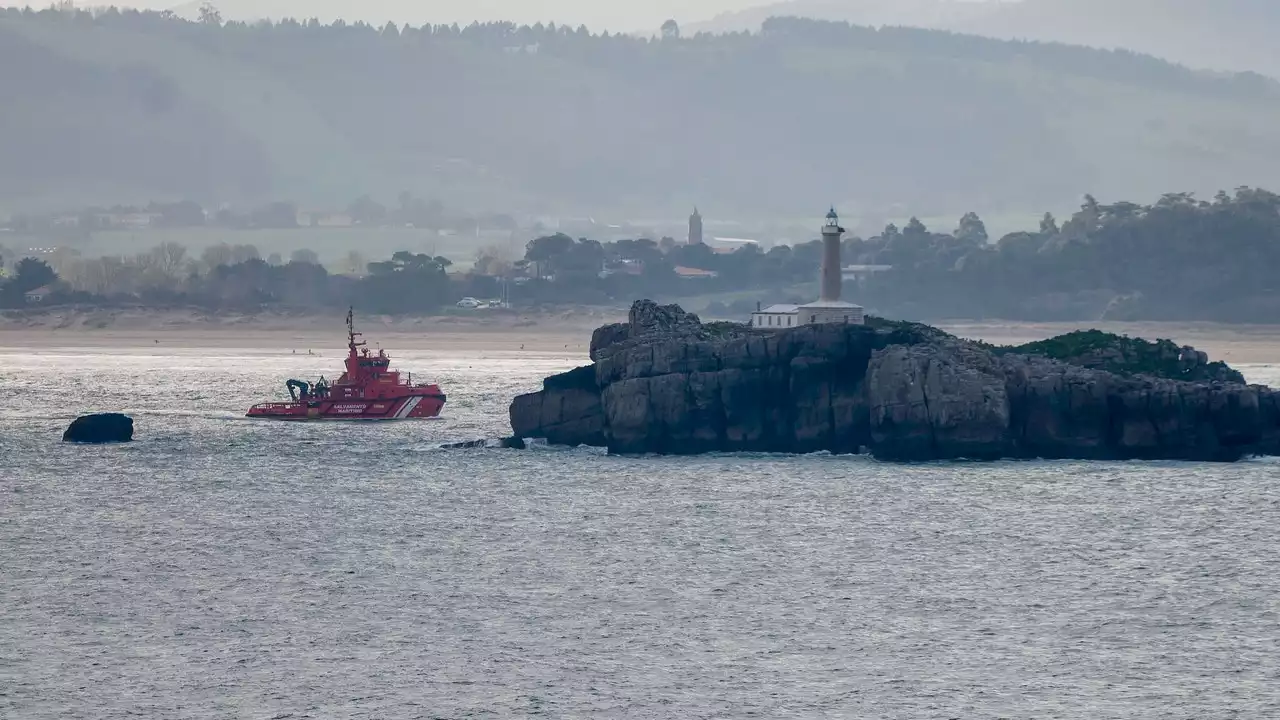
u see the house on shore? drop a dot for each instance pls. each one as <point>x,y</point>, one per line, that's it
<point>37,296</point>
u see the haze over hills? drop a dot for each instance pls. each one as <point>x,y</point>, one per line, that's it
<point>599,15</point>
<point>127,107</point>
<point>1235,35</point>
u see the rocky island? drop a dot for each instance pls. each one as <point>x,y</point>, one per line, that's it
<point>664,382</point>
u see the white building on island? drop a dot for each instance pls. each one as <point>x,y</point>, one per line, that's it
<point>776,316</point>
<point>829,308</point>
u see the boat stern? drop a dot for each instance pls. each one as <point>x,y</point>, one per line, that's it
<point>280,411</point>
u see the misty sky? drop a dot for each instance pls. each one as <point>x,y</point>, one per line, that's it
<point>614,15</point>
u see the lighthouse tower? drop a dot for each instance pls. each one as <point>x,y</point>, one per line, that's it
<point>830,308</point>
<point>831,275</point>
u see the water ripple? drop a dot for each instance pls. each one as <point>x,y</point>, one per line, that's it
<point>220,568</point>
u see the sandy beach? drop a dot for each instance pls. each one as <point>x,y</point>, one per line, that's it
<point>125,329</point>
<point>565,331</point>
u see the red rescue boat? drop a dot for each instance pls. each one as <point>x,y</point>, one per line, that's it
<point>368,390</point>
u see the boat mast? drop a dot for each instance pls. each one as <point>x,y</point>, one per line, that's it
<point>351,331</point>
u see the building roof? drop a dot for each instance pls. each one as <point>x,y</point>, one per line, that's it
<point>780,309</point>
<point>831,305</point>
<point>690,272</point>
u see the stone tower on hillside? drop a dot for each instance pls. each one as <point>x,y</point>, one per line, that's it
<point>695,228</point>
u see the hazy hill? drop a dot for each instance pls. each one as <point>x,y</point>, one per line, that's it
<point>1236,35</point>
<point>128,106</point>
<point>105,128</point>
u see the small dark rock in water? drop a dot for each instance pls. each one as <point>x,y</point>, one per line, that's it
<point>100,429</point>
<point>465,445</point>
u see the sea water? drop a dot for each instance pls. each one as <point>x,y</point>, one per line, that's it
<point>220,567</point>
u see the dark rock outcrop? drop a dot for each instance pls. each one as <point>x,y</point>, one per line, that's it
<point>648,321</point>
<point>1129,356</point>
<point>933,401</point>
<point>100,429</point>
<point>566,412</point>
<point>666,383</point>
<point>946,401</point>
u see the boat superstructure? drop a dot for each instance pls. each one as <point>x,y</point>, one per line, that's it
<point>367,390</point>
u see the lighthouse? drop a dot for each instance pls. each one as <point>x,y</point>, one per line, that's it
<point>831,268</point>
<point>829,308</point>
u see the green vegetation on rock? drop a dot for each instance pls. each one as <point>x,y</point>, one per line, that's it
<point>1125,355</point>
<point>903,332</point>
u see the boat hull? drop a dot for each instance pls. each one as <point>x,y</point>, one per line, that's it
<point>408,407</point>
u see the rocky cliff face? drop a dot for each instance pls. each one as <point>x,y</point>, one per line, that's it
<point>666,383</point>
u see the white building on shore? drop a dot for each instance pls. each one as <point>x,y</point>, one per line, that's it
<point>829,308</point>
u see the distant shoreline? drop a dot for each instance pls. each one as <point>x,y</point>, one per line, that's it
<point>564,330</point>
<point>141,328</point>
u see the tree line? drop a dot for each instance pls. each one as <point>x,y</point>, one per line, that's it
<point>1179,258</point>
<point>236,277</point>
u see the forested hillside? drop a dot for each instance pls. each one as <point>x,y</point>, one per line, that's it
<point>1237,35</point>
<point>123,106</point>
<point>1180,258</point>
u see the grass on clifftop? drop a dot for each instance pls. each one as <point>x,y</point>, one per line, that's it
<point>905,331</point>
<point>1125,355</point>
